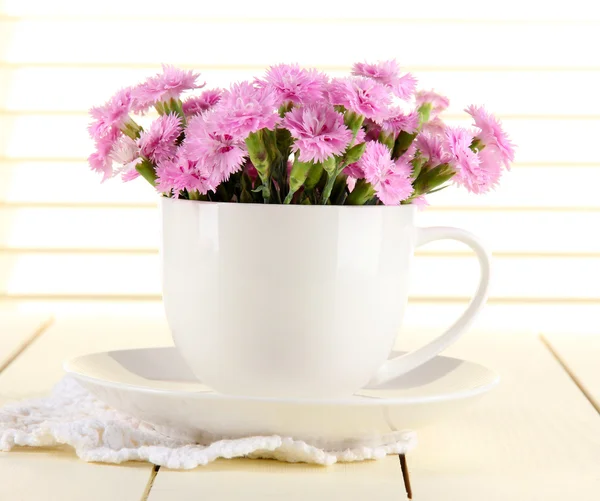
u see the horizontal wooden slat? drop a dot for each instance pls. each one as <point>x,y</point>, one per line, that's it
<point>79,228</point>
<point>25,183</point>
<point>521,93</point>
<point>540,316</point>
<point>138,275</point>
<point>136,228</point>
<point>436,10</point>
<point>179,42</point>
<point>67,183</point>
<point>65,136</point>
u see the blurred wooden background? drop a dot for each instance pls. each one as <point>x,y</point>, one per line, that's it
<point>69,243</point>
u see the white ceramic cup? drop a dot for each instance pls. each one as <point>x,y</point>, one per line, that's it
<point>294,300</point>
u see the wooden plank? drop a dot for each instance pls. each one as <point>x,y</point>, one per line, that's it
<point>579,352</point>
<point>47,228</point>
<point>437,10</point>
<point>515,190</point>
<point>17,331</point>
<point>534,437</point>
<point>50,131</point>
<point>39,368</point>
<point>68,228</point>
<point>429,314</point>
<point>179,41</point>
<point>274,480</point>
<point>504,92</point>
<point>56,474</point>
<point>433,276</point>
<point>16,185</point>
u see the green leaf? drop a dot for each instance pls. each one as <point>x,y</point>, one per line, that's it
<point>314,176</point>
<point>431,178</point>
<point>332,168</point>
<point>132,129</point>
<point>438,189</point>
<point>329,165</point>
<point>402,143</point>
<point>338,193</point>
<point>147,171</point>
<point>284,141</point>
<point>361,194</point>
<point>353,154</point>
<point>284,108</point>
<point>418,162</point>
<point>298,176</point>
<point>353,121</point>
<point>424,113</point>
<point>246,186</point>
<point>387,139</point>
<point>263,152</point>
<point>476,145</point>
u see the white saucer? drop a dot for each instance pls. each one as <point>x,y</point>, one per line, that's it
<point>156,386</point>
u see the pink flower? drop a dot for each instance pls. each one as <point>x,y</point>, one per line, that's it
<point>433,147</point>
<point>169,84</point>
<point>438,102</point>
<point>466,162</point>
<point>125,150</point>
<point>158,143</point>
<point>388,74</point>
<point>205,101</point>
<point>372,130</point>
<point>251,171</point>
<point>246,108</point>
<point>319,132</point>
<point>361,136</point>
<point>420,201</point>
<point>362,95</point>
<point>100,160</point>
<point>295,84</point>
<point>181,173</point>
<point>390,179</point>
<point>492,135</point>
<point>399,122</point>
<point>127,153</point>
<point>109,118</point>
<point>435,127</point>
<point>355,171</point>
<point>130,174</point>
<point>215,150</point>
<point>409,154</point>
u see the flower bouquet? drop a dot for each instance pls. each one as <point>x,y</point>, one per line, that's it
<point>296,301</point>
<point>297,136</point>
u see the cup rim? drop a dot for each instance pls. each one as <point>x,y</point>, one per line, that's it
<point>183,201</point>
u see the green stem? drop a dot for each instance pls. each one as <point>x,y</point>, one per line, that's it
<point>146,170</point>
<point>328,187</point>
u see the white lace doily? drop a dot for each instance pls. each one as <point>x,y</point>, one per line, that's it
<point>72,416</point>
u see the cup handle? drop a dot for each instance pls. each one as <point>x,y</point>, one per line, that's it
<point>404,363</point>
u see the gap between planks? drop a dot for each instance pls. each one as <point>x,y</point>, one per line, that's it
<point>153,473</point>
<point>151,251</point>
<point>296,20</point>
<point>26,343</point>
<point>561,361</point>
<point>435,208</point>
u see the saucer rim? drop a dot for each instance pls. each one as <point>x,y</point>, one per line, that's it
<point>353,400</point>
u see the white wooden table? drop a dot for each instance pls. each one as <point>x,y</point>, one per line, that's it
<point>536,437</point>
